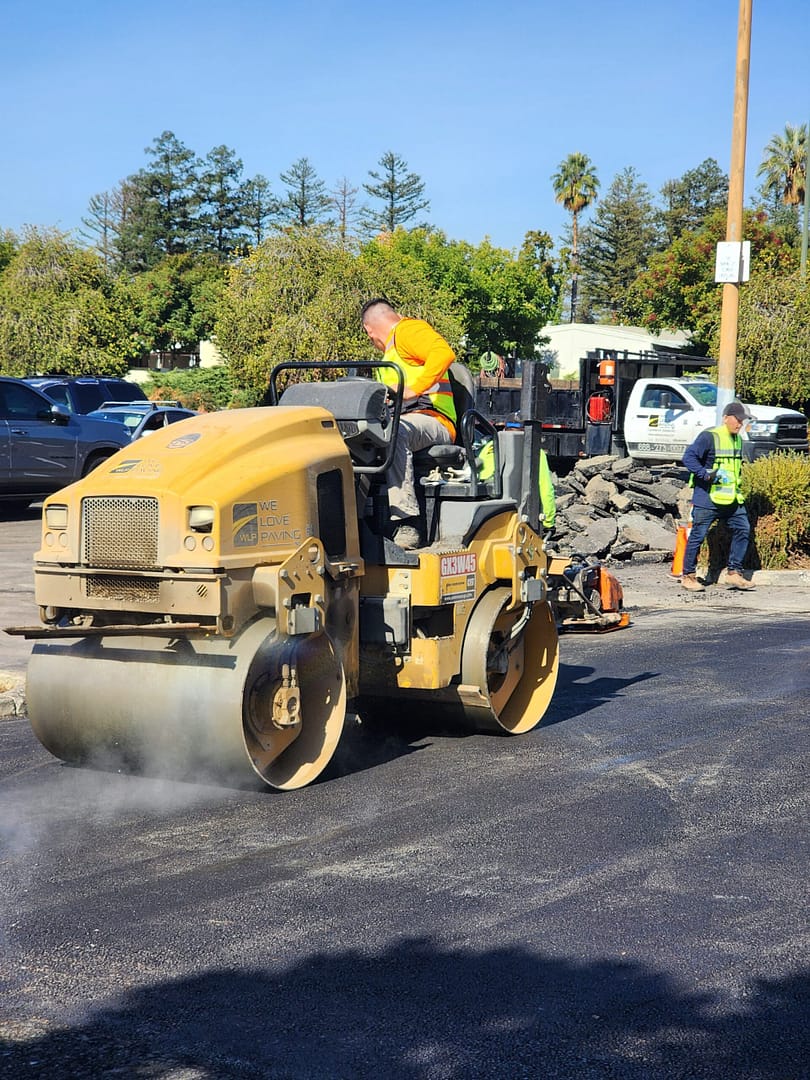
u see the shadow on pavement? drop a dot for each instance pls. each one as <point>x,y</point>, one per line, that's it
<point>419,1012</point>
<point>575,695</point>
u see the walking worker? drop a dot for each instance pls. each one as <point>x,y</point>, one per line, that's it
<point>715,462</point>
<point>428,414</point>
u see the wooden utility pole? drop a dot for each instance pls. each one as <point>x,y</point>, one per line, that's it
<point>727,360</point>
<point>803,264</point>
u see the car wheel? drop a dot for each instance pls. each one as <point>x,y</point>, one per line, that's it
<point>95,460</point>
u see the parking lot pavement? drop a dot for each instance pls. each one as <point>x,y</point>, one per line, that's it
<point>649,586</point>
<point>19,539</point>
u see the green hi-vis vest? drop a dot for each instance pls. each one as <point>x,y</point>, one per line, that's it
<point>438,399</point>
<point>548,501</point>
<point>728,461</point>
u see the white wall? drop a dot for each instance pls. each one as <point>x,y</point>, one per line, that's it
<point>571,341</point>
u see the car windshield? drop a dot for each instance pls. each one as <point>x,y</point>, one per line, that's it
<point>704,393</point>
<point>129,418</point>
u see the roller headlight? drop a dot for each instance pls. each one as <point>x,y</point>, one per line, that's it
<point>201,518</point>
<point>56,516</point>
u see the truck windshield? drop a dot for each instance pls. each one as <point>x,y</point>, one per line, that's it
<point>704,393</point>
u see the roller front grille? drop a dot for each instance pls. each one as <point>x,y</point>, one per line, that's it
<point>123,589</point>
<point>120,532</point>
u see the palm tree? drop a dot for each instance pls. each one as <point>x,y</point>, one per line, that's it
<point>785,165</point>
<point>575,186</point>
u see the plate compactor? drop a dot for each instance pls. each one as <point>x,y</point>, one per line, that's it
<point>215,598</point>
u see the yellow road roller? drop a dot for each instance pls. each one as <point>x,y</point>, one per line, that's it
<point>216,597</point>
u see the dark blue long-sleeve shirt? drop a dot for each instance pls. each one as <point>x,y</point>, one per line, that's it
<point>699,460</point>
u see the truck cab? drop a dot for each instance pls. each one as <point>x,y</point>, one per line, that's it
<point>663,416</point>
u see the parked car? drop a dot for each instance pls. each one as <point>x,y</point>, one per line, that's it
<point>141,417</point>
<point>84,393</point>
<point>43,446</point>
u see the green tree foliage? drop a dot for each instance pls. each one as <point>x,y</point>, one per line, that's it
<point>206,389</point>
<point>344,202</point>
<point>401,193</point>
<point>306,202</point>
<point>678,291</point>
<point>689,200</point>
<point>298,297</point>
<point>137,225</point>
<point>151,213</point>
<point>172,182</point>
<point>617,245</point>
<point>773,342</point>
<point>60,310</point>
<point>258,207</point>
<point>220,196</point>
<point>503,300</point>
<point>777,494</point>
<point>575,186</point>
<point>784,166</point>
<point>8,246</point>
<point>173,305</point>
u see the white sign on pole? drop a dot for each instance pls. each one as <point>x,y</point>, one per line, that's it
<point>733,262</point>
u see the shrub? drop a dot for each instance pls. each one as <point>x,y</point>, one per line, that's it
<point>777,496</point>
<point>205,389</point>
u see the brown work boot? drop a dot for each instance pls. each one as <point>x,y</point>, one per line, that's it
<point>735,580</point>
<point>407,537</point>
<point>690,582</point>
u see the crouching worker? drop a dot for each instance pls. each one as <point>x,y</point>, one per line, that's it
<point>548,500</point>
<point>715,462</point>
<point>428,415</point>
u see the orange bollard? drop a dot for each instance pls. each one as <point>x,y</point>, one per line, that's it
<point>680,550</point>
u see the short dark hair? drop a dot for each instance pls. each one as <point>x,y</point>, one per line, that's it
<point>373,303</point>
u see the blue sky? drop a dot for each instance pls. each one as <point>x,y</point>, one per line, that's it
<point>483,100</point>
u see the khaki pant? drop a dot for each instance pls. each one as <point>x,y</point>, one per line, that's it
<point>416,432</point>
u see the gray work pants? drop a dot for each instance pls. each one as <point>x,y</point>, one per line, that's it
<point>416,431</point>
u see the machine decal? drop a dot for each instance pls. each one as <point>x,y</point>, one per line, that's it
<point>653,421</point>
<point>467,563</point>
<point>457,573</point>
<point>459,588</point>
<point>183,440</point>
<point>245,524</point>
<point>138,467</point>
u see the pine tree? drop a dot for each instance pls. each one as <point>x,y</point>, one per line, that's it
<point>400,192</point>
<point>306,202</point>
<point>219,194</point>
<point>617,245</point>
<point>689,200</point>
<point>258,208</point>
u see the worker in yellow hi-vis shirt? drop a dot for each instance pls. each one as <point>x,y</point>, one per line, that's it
<point>428,414</point>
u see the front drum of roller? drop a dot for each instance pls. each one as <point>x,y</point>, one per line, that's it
<point>191,708</point>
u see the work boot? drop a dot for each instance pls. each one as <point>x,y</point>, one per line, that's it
<point>407,537</point>
<point>690,582</point>
<point>735,580</point>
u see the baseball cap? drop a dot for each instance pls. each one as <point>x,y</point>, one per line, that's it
<point>738,410</point>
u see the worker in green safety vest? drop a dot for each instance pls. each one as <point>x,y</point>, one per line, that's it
<point>715,463</point>
<point>548,502</point>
